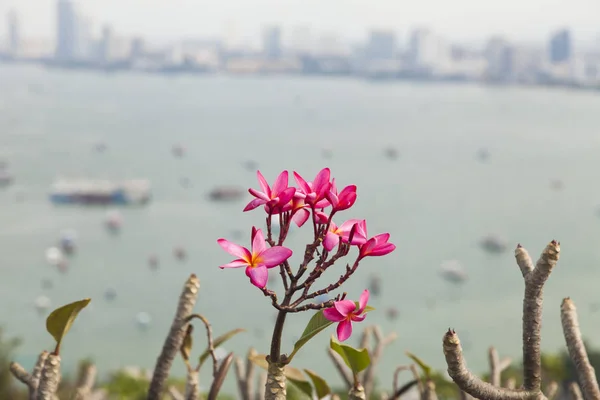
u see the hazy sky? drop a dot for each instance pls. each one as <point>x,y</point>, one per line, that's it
<point>461,20</point>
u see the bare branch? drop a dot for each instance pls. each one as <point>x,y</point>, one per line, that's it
<point>357,392</point>
<point>399,369</point>
<point>192,385</point>
<point>368,378</point>
<point>494,366</point>
<point>339,366</point>
<point>511,383</point>
<point>245,375</point>
<point>19,372</point>
<point>172,344</point>
<point>87,379</point>
<point>49,379</point>
<point>551,390</point>
<point>415,372</point>
<point>429,393</point>
<point>585,371</point>
<point>174,393</point>
<point>472,384</point>
<point>574,391</point>
<point>532,314</point>
<point>366,337</point>
<point>219,378</point>
<point>36,374</point>
<point>523,260</point>
<point>209,338</point>
<point>260,390</point>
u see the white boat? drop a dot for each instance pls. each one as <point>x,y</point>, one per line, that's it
<point>103,192</point>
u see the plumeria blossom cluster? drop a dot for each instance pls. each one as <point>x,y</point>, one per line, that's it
<point>318,201</point>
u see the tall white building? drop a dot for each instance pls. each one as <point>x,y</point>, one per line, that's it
<point>14,33</point>
<point>428,50</point>
<point>67,30</point>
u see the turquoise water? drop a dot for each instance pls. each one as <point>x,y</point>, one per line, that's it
<point>437,200</point>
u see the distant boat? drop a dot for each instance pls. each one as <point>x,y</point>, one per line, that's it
<point>42,303</point>
<point>5,178</point>
<point>226,194</point>
<point>452,271</point>
<point>493,244</point>
<point>92,192</point>
<point>113,221</point>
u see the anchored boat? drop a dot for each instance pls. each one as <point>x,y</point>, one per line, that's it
<point>101,192</point>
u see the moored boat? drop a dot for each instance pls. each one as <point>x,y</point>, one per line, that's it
<point>98,192</point>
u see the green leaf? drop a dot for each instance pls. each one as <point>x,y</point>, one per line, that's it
<point>426,368</point>
<point>304,386</point>
<point>291,373</point>
<point>218,342</point>
<point>295,392</point>
<point>356,360</point>
<point>319,383</point>
<point>317,323</point>
<point>60,320</point>
<point>186,345</point>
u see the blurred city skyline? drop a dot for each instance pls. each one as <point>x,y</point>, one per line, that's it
<point>466,21</point>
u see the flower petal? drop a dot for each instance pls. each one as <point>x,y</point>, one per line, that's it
<point>286,195</point>
<point>234,249</point>
<point>331,240</point>
<point>333,315</point>
<point>344,330</point>
<point>281,183</point>
<point>235,264</point>
<point>253,204</point>
<point>321,183</point>
<point>301,216</point>
<point>345,307</point>
<point>263,184</point>
<point>259,194</point>
<point>362,301</point>
<point>274,256</point>
<point>382,238</point>
<point>258,242</point>
<point>358,318</point>
<point>302,183</point>
<point>259,276</point>
<point>382,249</point>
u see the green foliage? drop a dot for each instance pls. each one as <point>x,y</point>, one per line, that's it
<point>445,389</point>
<point>60,320</point>
<point>8,385</point>
<point>424,367</point>
<point>186,345</point>
<point>356,360</point>
<point>317,324</point>
<point>219,342</point>
<point>321,387</point>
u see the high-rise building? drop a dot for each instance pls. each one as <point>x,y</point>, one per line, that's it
<point>499,57</point>
<point>427,50</point>
<point>106,43</point>
<point>66,30</point>
<point>561,46</point>
<point>272,47</point>
<point>14,34</point>
<point>381,45</point>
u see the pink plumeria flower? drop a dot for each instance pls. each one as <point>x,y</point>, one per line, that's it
<point>344,200</point>
<point>314,192</point>
<point>345,312</point>
<point>376,246</point>
<point>332,237</point>
<point>258,259</point>
<point>300,212</point>
<point>273,198</point>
